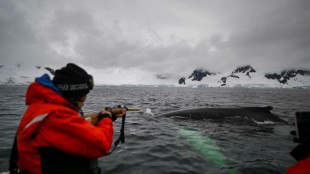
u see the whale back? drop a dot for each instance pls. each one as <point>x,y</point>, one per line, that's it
<point>259,114</point>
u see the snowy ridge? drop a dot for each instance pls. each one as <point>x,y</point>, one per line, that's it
<point>247,77</point>
<point>244,76</point>
<point>226,80</point>
<point>20,75</point>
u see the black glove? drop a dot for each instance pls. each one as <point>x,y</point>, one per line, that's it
<point>101,116</point>
<point>113,115</point>
<point>105,115</point>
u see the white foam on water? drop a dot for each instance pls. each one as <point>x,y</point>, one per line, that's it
<point>148,113</point>
<point>263,122</point>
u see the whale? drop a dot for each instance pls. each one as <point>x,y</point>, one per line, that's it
<point>256,114</point>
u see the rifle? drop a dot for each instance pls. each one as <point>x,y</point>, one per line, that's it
<point>93,118</point>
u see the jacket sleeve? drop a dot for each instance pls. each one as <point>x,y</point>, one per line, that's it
<point>72,134</point>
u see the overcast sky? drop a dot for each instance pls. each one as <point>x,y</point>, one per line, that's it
<point>156,36</point>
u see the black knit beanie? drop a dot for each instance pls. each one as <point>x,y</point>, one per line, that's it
<point>73,81</point>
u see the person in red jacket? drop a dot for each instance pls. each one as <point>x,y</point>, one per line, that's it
<point>302,167</point>
<point>301,152</point>
<point>52,137</point>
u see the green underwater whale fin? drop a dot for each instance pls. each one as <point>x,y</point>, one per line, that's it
<point>206,147</point>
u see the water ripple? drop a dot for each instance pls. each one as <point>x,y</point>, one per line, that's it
<point>154,145</point>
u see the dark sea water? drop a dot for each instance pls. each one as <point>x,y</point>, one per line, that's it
<point>166,145</point>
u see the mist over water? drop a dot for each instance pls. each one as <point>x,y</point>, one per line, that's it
<point>164,145</point>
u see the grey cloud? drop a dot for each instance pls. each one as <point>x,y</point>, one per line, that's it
<point>15,35</point>
<point>170,36</point>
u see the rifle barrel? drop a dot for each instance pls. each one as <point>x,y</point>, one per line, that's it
<point>133,109</point>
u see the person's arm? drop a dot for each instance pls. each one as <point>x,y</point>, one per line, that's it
<point>72,134</point>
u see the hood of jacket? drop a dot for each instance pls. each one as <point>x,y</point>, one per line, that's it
<point>44,91</point>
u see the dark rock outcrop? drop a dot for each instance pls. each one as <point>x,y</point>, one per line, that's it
<point>182,81</point>
<point>223,81</point>
<point>199,74</point>
<point>285,75</point>
<point>50,70</point>
<point>245,69</point>
<point>234,76</point>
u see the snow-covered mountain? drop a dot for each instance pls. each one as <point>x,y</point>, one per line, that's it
<point>243,76</point>
<point>247,76</point>
<point>21,75</point>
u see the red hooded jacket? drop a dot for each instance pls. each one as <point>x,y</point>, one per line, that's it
<point>50,121</point>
